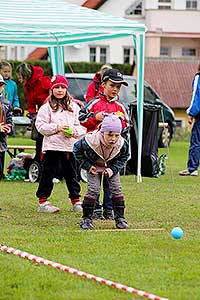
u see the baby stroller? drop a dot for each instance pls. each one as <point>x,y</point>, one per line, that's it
<point>34,168</point>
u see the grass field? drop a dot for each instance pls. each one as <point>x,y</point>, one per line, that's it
<point>151,261</point>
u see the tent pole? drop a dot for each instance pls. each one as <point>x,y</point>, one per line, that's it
<point>140,41</point>
<point>56,55</point>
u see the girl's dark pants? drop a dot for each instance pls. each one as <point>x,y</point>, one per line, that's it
<point>55,162</point>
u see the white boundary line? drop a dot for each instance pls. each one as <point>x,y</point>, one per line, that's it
<point>126,230</point>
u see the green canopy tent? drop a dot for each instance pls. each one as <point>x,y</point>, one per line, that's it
<point>56,23</point>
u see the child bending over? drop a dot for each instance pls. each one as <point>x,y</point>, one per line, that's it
<point>103,153</point>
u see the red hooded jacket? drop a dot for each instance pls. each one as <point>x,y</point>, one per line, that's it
<point>36,89</point>
<point>87,113</point>
<point>94,88</point>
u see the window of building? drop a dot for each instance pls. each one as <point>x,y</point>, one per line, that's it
<point>191,5</point>
<point>135,9</point>
<point>103,55</point>
<point>188,52</point>
<point>164,4</point>
<point>92,54</point>
<point>164,51</point>
<point>127,53</point>
<point>3,52</point>
<point>180,122</point>
<point>99,54</point>
<point>22,53</point>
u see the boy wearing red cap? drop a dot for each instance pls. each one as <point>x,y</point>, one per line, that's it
<point>103,152</point>
<point>57,120</point>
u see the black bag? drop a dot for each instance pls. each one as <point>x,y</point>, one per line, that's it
<point>149,159</point>
<point>35,135</point>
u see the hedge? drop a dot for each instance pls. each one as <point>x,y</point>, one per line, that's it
<point>73,67</point>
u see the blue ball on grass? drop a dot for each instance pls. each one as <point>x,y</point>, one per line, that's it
<point>177,233</point>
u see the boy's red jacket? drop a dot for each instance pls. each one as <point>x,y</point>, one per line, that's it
<point>87,115</point>
<point>37,88</point>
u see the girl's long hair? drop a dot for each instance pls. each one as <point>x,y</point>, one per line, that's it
<point>65,102</point>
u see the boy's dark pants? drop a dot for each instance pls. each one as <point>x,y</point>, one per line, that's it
<point>94,183</point>
<point>64,163</point>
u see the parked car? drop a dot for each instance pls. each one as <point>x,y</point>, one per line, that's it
<point>78,84</point>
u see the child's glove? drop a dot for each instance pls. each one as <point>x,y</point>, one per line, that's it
<point>108,172</point>
<point>5,128</point>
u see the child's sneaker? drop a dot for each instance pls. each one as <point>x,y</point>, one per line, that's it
<point>98,214</point>
<point>108,214</point>
<point>121,223</point>
<point>86,224</point>
<point>77,207</point>
<point>47,207</point>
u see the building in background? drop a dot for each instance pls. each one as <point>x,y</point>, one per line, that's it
<point>173,37</point>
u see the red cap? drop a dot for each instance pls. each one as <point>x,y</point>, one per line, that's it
<point>58,80</point>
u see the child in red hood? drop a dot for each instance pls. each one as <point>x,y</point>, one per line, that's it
<point>36,85</point>
<point>95,86</point>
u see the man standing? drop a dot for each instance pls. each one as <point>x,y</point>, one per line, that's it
<point>194,118</point>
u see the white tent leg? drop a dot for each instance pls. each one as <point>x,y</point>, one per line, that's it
<point>57,59</point>
<point>140,41</point>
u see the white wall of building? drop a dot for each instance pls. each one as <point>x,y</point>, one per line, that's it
<point>173,20</point>
<point>173,28</point>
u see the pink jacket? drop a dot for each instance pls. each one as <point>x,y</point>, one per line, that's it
<point>47,121</point>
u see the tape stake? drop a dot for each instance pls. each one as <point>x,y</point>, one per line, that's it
<point>64,268</point>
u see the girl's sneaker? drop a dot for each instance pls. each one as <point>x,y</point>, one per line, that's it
<point>77,207</point>
<point>47,207</point>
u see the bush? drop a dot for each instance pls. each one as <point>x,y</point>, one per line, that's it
<point>182,134</point>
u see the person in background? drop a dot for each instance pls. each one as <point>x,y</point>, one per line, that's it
<point>10,88</point>
<point>103,152</point>
<point>95,86</point>
<point>36,86</point>
<point>91,116</point>
<point>6,124</point>
<point>57,120</point>
<point>194,118</point>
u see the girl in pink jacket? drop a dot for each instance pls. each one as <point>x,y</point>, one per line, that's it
<point>57,120</point>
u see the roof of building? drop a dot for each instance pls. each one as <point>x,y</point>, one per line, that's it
<point>172,80</point>
<point>37,53</point>
<point>95,4</point>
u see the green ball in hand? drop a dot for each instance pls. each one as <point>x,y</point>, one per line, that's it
<point>68,132</point>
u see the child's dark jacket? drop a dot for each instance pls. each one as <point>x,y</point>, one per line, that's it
<point>6,109</point>
<point>87,152</point>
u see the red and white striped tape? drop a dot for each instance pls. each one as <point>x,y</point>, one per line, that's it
<point>64,268</point>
